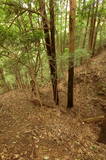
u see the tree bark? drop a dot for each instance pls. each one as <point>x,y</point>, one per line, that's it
<point>95,37</point>
<point>97,25</point>
<point>92,24</point>
<point>86,29</point>
<point>53,52</point>
<point>50,45</point>
<point>71,50</point>
<point>65,30</point>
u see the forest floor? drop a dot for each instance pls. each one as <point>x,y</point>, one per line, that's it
<point>30,132</point>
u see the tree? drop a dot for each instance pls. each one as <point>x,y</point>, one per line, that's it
<point>50,44</point>
<point>87,26</point>
<point>92,25</point>
<point>71,51</point>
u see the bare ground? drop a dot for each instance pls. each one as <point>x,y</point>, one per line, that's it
<point>30,132</point>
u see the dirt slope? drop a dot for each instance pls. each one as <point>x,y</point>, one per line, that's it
<point>90,86</point>
<point>30,132</point>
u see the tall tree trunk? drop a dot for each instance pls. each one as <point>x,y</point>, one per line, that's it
<point>50,40</point>
<point>61,33</point>
<point>92,23</point>
<point>86,29</point>
<point>65,30</point>
<point>53,52</point>
<point>95,37</point>
<point>83,7</point>
<point>94,26</point>
<point>71,50</point>
<point>97,25</point>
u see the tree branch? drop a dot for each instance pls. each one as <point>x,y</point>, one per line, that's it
<point>20,7</point>
<point>16,18</point>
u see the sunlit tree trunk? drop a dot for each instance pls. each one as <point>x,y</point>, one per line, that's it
<point>83,8</point>
<point>86,29</point>
<point>79,9</point>
<point>95,37</point>
<point>95,27</point>
<point>64,38</point>
<point>100,33</point>
<point>72,4</point>
<point>61,33</point>
<point>92,24</point>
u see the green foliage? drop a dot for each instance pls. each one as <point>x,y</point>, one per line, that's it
<point>80,55</point>
<point>8,36</point>
<point>10,79</point>
<point>31,37</point>
<point>22,37</point>
<point>62,59</point>
<point>2,34</point>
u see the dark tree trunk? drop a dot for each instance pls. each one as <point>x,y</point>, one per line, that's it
<point>53,52</point>
<point>70,87</point>
<point>71,49</point>
<point>50,46</point>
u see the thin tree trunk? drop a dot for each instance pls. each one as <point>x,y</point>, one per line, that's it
<point>97,26</point>
<point>64,38</point>
<point>2,77</point>
<point>83,8</point>
<point>94,25</point>
<point>71,49</point>
<point>95,37</point>
<point>79,21</point>
<point>91,26</point>
<point>86,30</point>
<point>50,50</point>
<point>61,34</point>
<point>53,52</point>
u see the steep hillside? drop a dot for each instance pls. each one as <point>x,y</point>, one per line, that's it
<point>30,132</point>
<point>90,86</point>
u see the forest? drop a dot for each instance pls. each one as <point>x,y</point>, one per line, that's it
<point>52,80</point>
